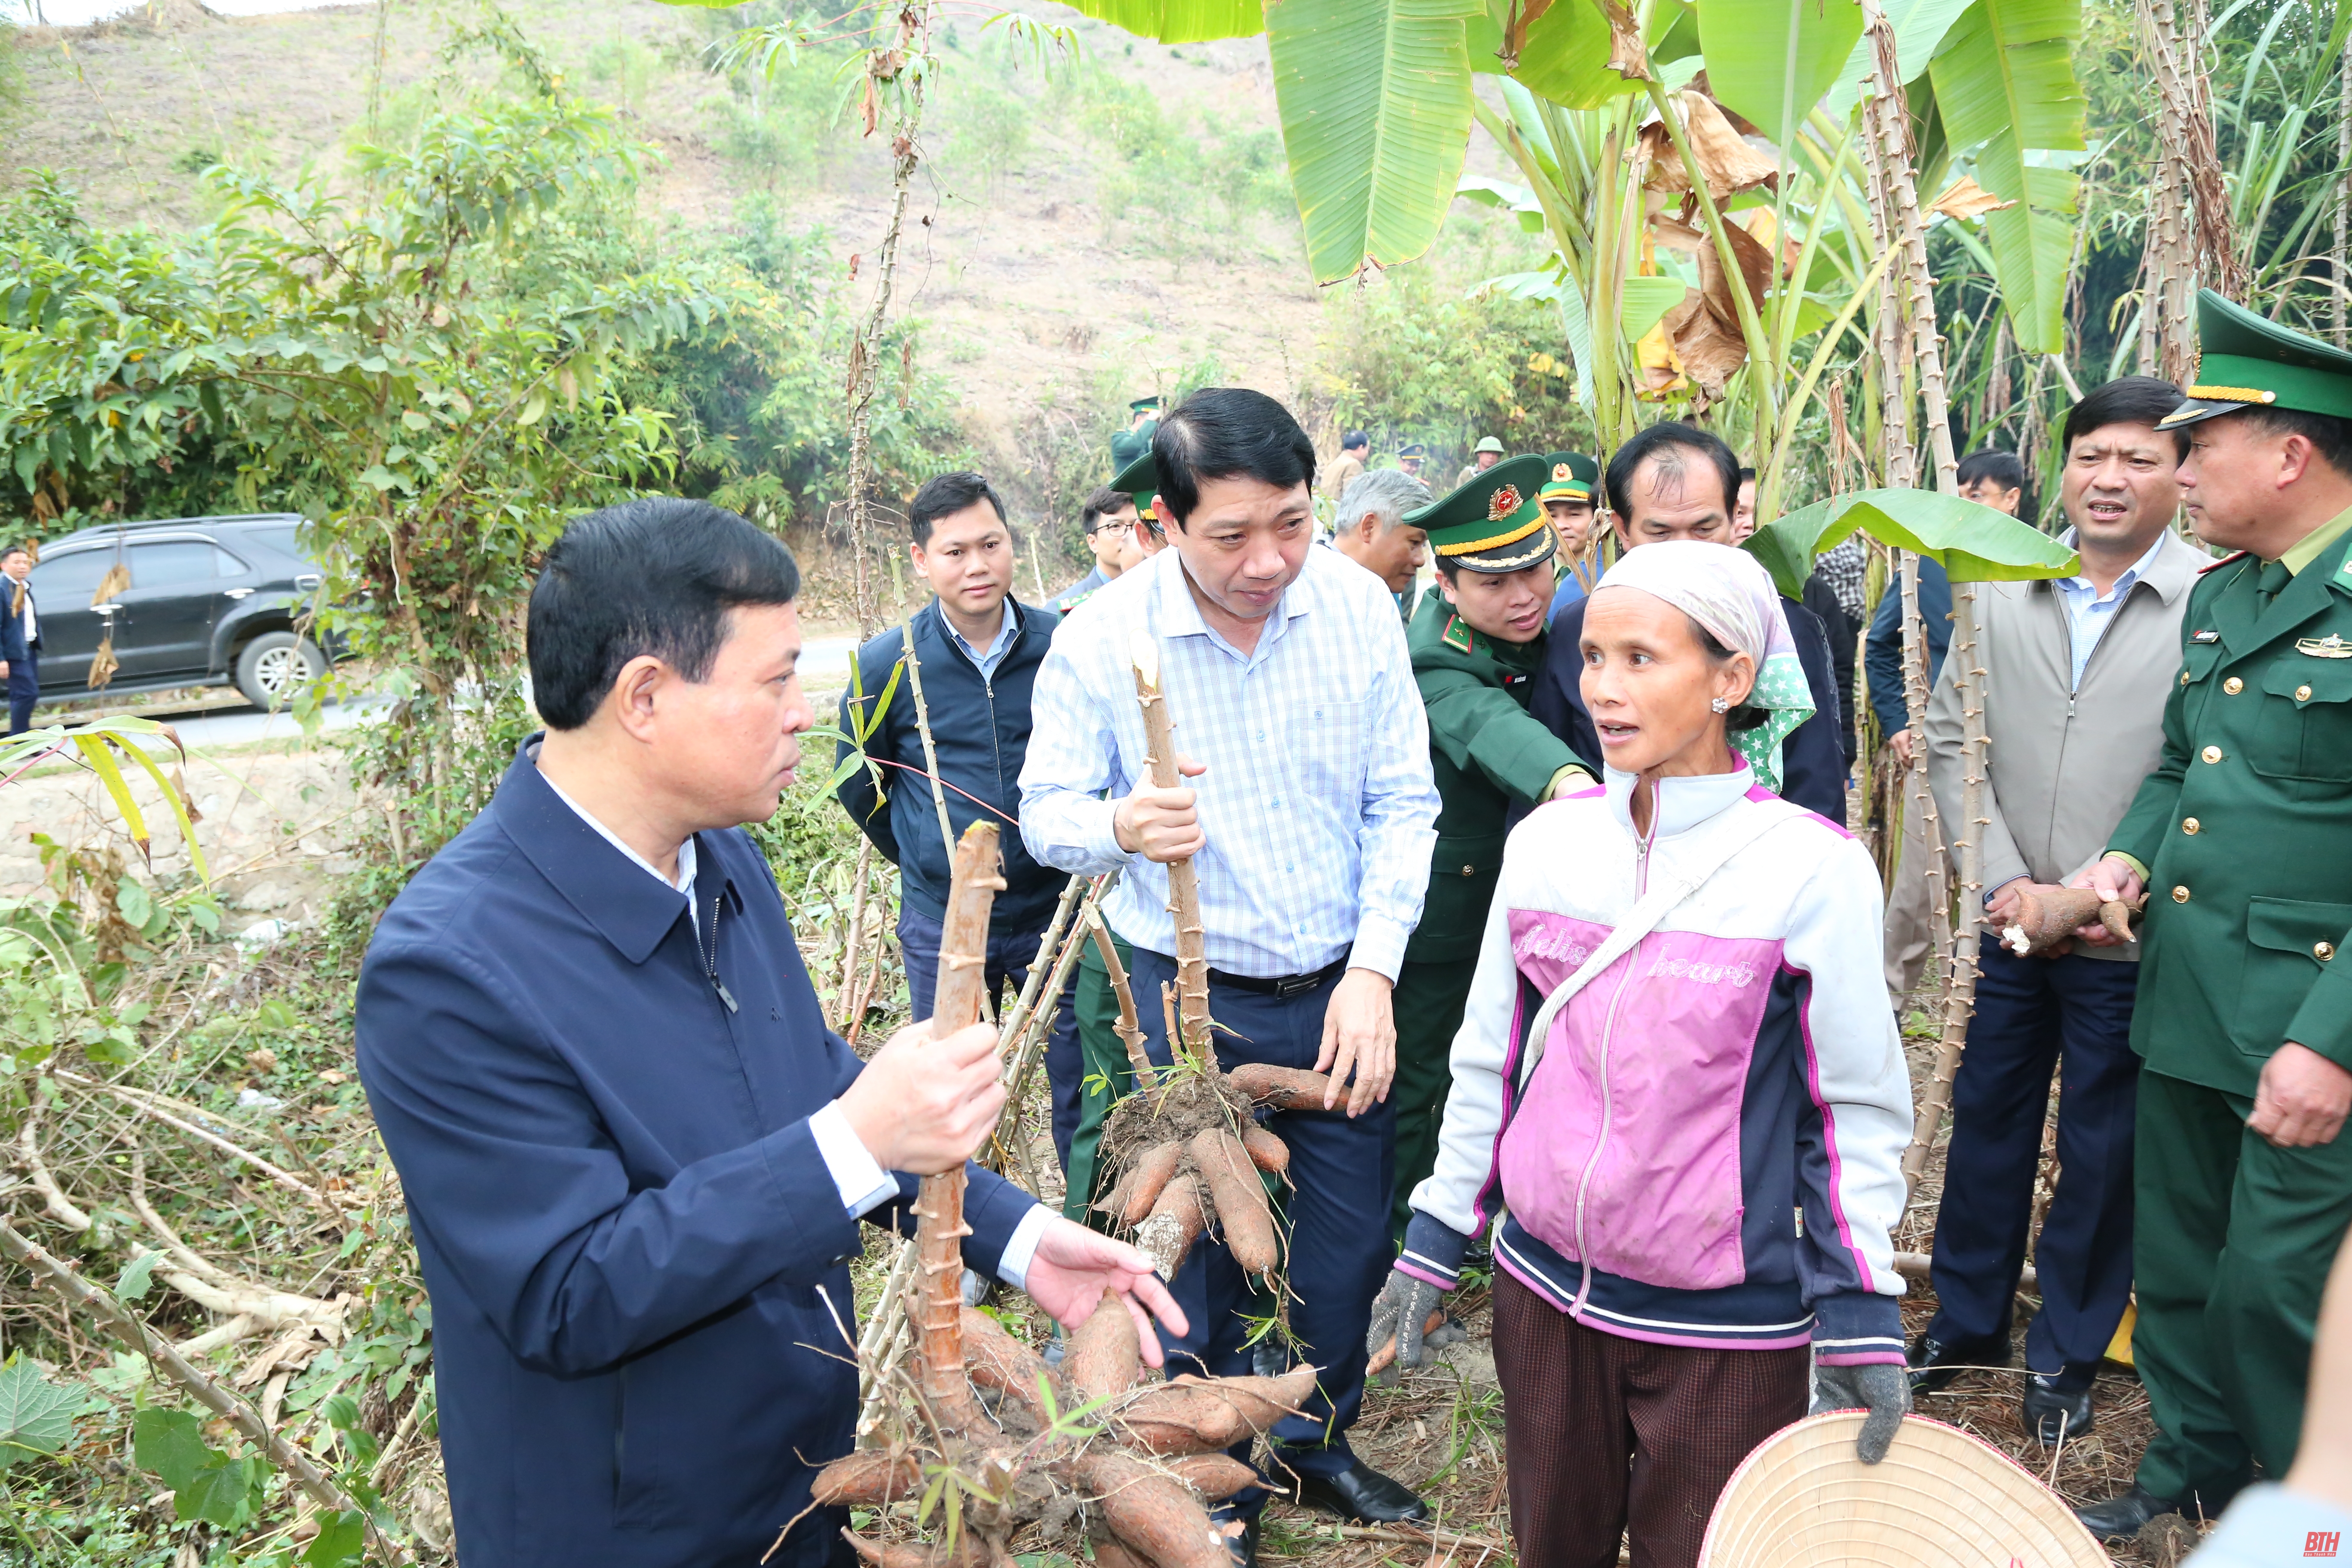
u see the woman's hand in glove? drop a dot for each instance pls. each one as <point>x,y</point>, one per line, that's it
<point>1400,1311</point>
<point>1882,1388</point>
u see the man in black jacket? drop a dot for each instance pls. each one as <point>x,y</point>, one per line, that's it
<point>1674,481</point>
<point>979,648</point>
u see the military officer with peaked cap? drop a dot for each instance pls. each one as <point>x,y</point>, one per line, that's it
<point>1135,441</point>
<point>1476,644</point>
<point>2242,837</point>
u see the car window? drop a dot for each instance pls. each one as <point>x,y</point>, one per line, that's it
<point>173,564</point>
<point>66,581</point>
<point>227,565</point>
<point>281,540</point>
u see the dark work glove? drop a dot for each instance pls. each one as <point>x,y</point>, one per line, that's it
<point>1400,1311</point>
<point>1882,1388</point>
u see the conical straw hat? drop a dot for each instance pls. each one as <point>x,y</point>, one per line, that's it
<point>1940,1499</point>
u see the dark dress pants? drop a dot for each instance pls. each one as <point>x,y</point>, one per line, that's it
<point>2074,1014</point>
<point>1337,1242</point>
<point>24,690</point>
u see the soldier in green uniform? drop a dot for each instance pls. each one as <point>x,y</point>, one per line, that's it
<point>1135,441</point>
<point>1476,644</point>
<point>1093,998</point>
<point>1410,458</point>
<point>2243,836</point>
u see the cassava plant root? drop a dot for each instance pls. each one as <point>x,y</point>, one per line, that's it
<point>1087,1450</point>
<point>2042,921</point>
<point>1185,1147</point>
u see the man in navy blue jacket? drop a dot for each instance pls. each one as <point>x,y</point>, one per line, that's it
<point>1675,481</point>
<point>980,649</point>
<point>634,1156</point>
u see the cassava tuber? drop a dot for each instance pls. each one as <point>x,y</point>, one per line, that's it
<point>1152,1514</point>
<point>1285,1089</point>
<point>1175,1223</point>
<point>998,1361</point>
<point>863,1479</point>
<point>1105,1352</point>
<point>1146,1180</point>
<point>1216,1477</point>
<point>1239,1199</point>
<point>1267,1152</point>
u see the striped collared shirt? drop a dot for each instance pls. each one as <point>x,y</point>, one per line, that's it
<point>1317,805</point>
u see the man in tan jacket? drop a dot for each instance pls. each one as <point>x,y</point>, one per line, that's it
<point>2077,674</point>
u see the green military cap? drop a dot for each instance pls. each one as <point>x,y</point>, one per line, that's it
<point>1487,444</point>
<point>1494,523</point>
<point>1571,475</point>
<point>1140,478</point>
<point>1145,404</point>
<point>2248,361</point>
<point>1412,449</point>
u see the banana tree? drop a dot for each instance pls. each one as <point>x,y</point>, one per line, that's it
<point>1696,165</point>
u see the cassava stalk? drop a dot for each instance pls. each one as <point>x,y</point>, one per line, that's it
<point>939,1229</point>
<point>1183,879</point>
<point>1130,1023</point>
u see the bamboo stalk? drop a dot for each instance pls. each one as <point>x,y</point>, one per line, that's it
<point>1184,877</point>
<point>940,1228</point>
<point>220,1401</point>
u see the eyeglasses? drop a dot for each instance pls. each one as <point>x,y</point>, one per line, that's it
<point>1111,527</point>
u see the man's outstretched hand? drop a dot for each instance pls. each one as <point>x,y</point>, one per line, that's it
<point>1074,1266</point>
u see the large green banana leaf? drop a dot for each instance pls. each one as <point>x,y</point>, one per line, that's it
<point>1179,21</point>
<point>2005,82</point>
<point>1920,28</point>
<point>1375,102</point>
<point>1771,60</point>
<point>1973,543</point>
<point>1564,53</point>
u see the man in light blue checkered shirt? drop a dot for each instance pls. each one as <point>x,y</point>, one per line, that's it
<point>1311,816</point>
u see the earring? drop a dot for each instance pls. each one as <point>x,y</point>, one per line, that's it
<point>1719,705</point>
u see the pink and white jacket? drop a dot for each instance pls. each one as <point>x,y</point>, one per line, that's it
<point>1706,1149</point>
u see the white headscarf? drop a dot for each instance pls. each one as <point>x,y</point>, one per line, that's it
<point>1727,591</point>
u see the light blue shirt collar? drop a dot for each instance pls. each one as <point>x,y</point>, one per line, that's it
<point>987,661</point>
<point>2088,613</point>
<point>1181,613</point>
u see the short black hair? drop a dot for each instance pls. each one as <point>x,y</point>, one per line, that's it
<point>1665,441</point>
<point>1746,474</point>
<point>1102,503</point>
<point>947,494</point>
<point>2329,436</point>
<point>2127,400</point>
<point>18,548</point>
<point>654,576</point>
<point>1226,433</point>
<point>1351,439</point>
<point>1991,463</point>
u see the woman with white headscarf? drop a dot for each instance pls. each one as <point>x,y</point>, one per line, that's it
<point>1678,1085</point>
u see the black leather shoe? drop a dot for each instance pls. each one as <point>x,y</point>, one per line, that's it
<point>1244,1547</point>
<point>2058,1402</point>
<point>1935,1363</point>
<point>1362,1494</point>
<point>2120,1518</point>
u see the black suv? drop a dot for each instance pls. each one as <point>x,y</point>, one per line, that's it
<point>211,601</point>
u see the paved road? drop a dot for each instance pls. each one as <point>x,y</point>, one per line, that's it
<point>824,660</point>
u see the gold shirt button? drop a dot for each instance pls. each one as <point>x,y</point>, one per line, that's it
<point>2302,694</point>
<point>2213,754</point>
<point>2180,895</point>
<point>2322,951</point>
<point>2184,677</point>
<point>1469,870</point>
<point>2233,686</point>
<point>2190,826</point>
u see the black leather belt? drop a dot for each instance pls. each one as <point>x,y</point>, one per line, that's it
<point>1280,986</point>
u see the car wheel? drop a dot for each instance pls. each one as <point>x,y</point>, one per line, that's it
<point>274,666</point>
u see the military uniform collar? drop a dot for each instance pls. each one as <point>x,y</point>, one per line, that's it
<point>2312,545</point>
